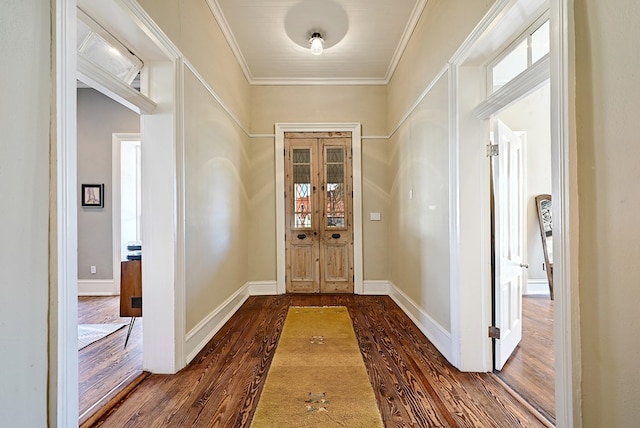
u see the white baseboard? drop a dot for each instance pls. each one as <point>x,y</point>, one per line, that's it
<point>198,337</point>
<point>536,287</point>
<point>262,288</point>
<point>436,334</point>
<point>97,287</point>
<point>376,287</point>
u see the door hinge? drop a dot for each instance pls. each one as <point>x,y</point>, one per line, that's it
<point>492,150</point>
<point>494,332</point>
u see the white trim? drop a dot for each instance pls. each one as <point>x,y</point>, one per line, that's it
<point>356,139</point>
<point>217,97</point>
<point>436,333</point>
<point>97,287</point>
<point>63,354</point>
<point>263,288</point>
<point>421,97</point>
<point>106,83</point>
<point>181,224</point>
<point>568,366</point>
<point>198,337</point>
<point>525,83</point>
<point>537,287</point>
<point>214,7</point>
<point>326,81</point>
<point>454,214</point>
<point>376,287</point>
<point>404,41</point>
<point>116,214</point>
<point>375,137</point>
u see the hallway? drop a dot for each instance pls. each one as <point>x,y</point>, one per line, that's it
<point>414,384</point>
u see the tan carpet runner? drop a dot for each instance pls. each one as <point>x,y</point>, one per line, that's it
<point>317,377</point>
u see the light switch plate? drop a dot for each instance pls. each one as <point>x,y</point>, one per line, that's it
<point>374,216</point>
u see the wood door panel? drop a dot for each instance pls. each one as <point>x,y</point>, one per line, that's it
<point>302,265</point>
<point>318,198</point>
<point>336,262</point>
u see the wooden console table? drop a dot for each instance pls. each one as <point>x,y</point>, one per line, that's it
<point>130,292</point>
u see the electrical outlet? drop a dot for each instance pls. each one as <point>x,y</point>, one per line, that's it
<point>94,270</point>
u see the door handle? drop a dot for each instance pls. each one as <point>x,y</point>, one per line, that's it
<point>302,236</point>
<point>335,236</point>
<point>524,265</point>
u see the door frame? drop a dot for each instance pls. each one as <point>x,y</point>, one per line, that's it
<point>164,334</point>
<point>469,206</point>
<point>116,198</point>
<point>356,145</point>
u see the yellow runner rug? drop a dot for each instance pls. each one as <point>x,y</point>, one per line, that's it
<point>317,377</point>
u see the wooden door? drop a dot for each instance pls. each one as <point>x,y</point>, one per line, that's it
<point>318,214</point>
<point>508,181</point>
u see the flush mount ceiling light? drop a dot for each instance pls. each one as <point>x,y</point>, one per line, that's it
<point>317,43</point>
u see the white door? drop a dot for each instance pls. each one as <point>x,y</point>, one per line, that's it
<point>508,184</point>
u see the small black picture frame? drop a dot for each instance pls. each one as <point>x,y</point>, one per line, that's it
<point>92,195</point>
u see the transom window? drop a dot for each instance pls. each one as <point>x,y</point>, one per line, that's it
<point>526,50</point>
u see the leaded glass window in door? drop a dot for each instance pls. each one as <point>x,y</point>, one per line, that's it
<point>302,188</point>
<point>335,194</point>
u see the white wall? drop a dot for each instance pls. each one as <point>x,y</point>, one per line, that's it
<point>25,40</point>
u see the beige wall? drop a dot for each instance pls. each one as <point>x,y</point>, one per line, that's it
<point>307,104</point>
<point>25,108</point>
<point>98,118</point>
<point>217,202</point>
<point>419,231</point>
<point>532,114</point>
<point>607,108</point>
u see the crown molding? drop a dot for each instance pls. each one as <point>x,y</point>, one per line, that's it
<point>406,36</point>
<point>316,81</point>
<point>228,35</point>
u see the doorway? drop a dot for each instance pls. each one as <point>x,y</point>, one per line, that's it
<point>319,213</point>
<point>529,370</point>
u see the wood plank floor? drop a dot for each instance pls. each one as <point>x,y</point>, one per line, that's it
<point>105,365</point>
<point>413,383</point>
<point>530,370</point>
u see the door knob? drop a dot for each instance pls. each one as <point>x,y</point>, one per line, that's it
<point>335,236</point>
<point>302,236</point>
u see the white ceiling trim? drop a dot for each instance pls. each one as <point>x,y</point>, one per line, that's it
<point>406,36</point>
<point>233,44</point>
<point>302,81</point>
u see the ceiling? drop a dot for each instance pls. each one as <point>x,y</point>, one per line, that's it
<point>364,39</point>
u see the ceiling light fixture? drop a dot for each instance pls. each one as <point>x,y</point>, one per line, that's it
<point>317,43</point>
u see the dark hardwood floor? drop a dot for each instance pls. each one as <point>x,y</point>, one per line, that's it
<point>105,367</point>
<point>530,370</point>
<point>414,385</point>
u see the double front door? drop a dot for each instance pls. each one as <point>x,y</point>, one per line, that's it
<point>319,212</point>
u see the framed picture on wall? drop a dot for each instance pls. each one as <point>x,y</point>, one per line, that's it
<point>92,195</point>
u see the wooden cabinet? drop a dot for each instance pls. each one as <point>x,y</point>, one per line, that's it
<point>131,288</point>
